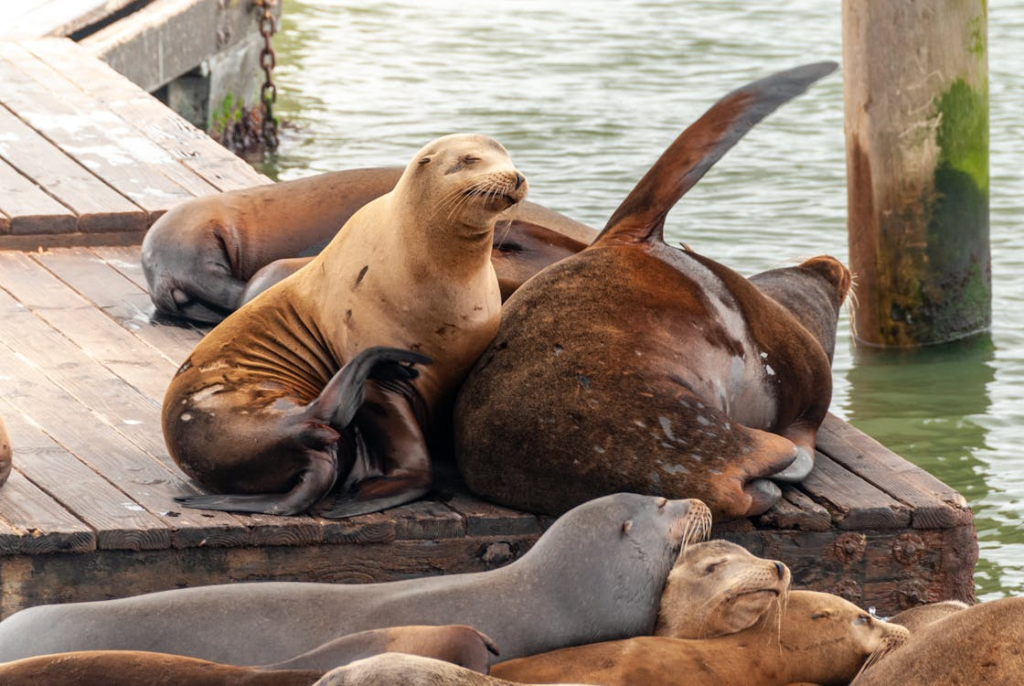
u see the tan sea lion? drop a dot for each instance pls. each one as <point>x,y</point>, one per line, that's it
<point>818,638</point>
<point>261,408</point>
<point>596,574</point>
<point>455,644</point>
<point>717,588</point>
<point>917,618</point>
<point>208,256</point>
<point>135,668</point>
<point>408,670</point>
<point>637,366</point>
<point>6,452</point>
<point>983,644</point>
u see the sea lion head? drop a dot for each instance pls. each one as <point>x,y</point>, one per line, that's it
<point>191,276</point>
<point>717,588</point>
<point>832,638</point>
<point>621,548</point>
<point>465,182</point>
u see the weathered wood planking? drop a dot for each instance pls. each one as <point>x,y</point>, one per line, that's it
<point>89,513</point>
<point>31,18</point>
<point>87,155</point>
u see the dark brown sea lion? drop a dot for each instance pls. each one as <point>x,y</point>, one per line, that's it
<point>261,408</point>
<point>6,452</point>
<point>208,256</point>
<point>815,637</point>
<point>596,574</point>
<point>983,644</point>
<point>718,588</point>
<point>636,366</point>
<point>409,670</point>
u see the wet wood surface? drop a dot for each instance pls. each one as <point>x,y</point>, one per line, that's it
<point>87,157</point>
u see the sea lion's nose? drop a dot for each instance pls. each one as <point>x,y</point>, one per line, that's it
<point>781,569</point>
<point>520,180</point>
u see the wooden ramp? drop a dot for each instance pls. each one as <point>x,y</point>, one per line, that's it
<point>86,157</point>
<point>89,513</point>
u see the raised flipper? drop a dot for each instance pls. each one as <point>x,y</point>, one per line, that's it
<point>320,425</point>
<point>641,216</point>
<point>395,467</point>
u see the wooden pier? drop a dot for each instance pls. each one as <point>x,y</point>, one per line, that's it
<point>87,162</point>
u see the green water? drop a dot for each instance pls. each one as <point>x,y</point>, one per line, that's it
<point>586,95</point>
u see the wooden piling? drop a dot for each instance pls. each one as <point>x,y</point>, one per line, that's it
<point>915,76</point>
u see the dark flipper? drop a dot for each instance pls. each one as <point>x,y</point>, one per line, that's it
<point>336,406</point>
<point>395,467</point>
<point>641,216</point>
<point>345,393</point>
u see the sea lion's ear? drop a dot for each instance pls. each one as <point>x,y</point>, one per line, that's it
<point>425,160</point>
<point>822,614</point>
<point>626,526</point>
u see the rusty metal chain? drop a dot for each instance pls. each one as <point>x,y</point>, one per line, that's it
<point>268,60</point>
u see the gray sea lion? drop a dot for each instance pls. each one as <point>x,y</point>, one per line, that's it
<point>261,409</point>
<point>207,256</point>
<point>596,574</point>
<point>636,366</point>
<point>815,637</point>
<point>970,646</point>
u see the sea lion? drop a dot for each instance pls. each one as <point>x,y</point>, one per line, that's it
<point>133,668</point>
<point>717,588</point>
<point>916,618</point>
<point>207,256</point>
<point>976,645</point>
<point>456,644</point>
<point>596,574</point>
<point>408,670</point>
<point>6,462</point>
<point>636,366</point>
<point>260,409</point>
<point>815,637</point>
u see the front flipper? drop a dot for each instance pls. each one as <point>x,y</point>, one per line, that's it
<point>317,430</point>
<point>395,467</point>
<point>345,393</point>
<point>316,480</point>
<point>804,437</point>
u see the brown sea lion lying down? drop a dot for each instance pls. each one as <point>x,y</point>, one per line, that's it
<point>814,637</point>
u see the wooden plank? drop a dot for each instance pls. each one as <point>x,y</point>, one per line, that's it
<point>796,511</point>
<point>98,336</point>
<point>42,241</point>
<point>27,581</point>
<point>32,523</point>
<point>55,17</point>
<point>30,209</point>
<point>854,503</point>
<point>120,299</point>
<point>5,222</point>
<point>97,138</point>
<point>427,519</point>
<point>184,142</point>
<point>118,521</point>
<point>933,504</point>
<point>99,430</point>
<point>127,259</point>
<point>486,519</point>
<point>128,388</point>
<point>98,206</point>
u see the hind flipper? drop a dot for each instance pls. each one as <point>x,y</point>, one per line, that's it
<point>804,436</point>
<point>315,482</point>
<point>395,467</point>
<point>764,455</point>
<point>345,393</point>
<point>641,216</point>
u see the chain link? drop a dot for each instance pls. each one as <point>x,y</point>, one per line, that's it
<point>268,60</point>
